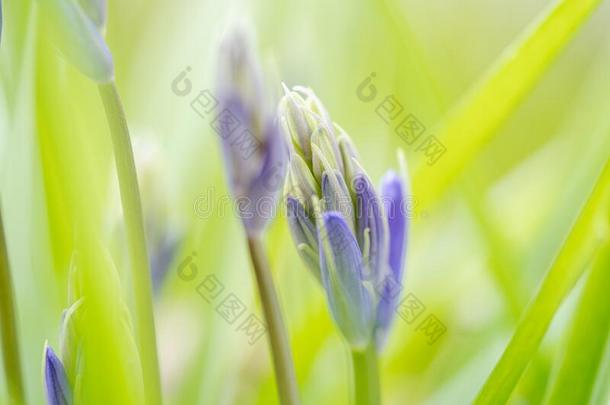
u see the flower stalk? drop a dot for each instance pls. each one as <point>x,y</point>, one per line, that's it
<point>134,224</point>
<point>278,341</point>
<point>255,157</point>
<point>8,327</point>
<point>366,377</point>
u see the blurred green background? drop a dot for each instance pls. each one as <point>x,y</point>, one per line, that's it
<point>476,254</point>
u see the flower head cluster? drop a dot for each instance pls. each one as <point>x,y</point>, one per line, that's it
<point>351,237</point>
<point>255,153</point>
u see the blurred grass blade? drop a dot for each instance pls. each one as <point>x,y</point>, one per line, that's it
<point>581,360</point>
<point>601,390</point>
<point>8,327</point>
<point>499,260</point>
<point>568,266</point>
<point>489,104</point>
<point>110,369</point>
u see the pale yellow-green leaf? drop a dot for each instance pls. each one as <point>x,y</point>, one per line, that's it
<point>473,122</point>
<point>580,360</point>
<point>587,233</point>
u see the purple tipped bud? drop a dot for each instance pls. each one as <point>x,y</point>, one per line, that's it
<point>256,155</point>
<point>350,301</point>
<point>56,382</point>
<point>371,228</point>
<point>394,195</point>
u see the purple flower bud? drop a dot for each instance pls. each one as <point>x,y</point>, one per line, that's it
<point>255,153</point>
<point>393,194</point>
<point>371,228</point>
<point>361,244</point>
<point>350,302</point>
<point>56,382</point>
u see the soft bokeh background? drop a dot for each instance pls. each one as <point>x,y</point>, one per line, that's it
<point>475,256</point>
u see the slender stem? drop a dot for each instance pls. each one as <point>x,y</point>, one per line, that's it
<point>366,377</point>
<point>276,332</point>
<point>136,242</point>
<point>10,344</point>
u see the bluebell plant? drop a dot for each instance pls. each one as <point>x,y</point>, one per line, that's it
<point>256,160</point>
<point>352,236</point>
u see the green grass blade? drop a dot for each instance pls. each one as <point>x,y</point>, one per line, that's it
<point>8,327</point>
<point>565,271</point>
<point>489,104</point>
<point>586,341</point>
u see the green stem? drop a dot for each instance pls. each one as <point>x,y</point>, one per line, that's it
<point>276,331</point>
<point>136,242</point>
<point>366,377</point>
<point>10,344</point>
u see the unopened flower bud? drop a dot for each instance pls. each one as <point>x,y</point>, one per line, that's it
<point>255,153</point>
<point>57,387</point>
<point>76,28</point>
<point>355,248</point>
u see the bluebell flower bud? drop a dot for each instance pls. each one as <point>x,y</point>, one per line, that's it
<point>57,387</point>
<point>351,239</point>
<point>393,195</point>
<point>349,298</point>
<point>255,153</point>
<point>76,28</point>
